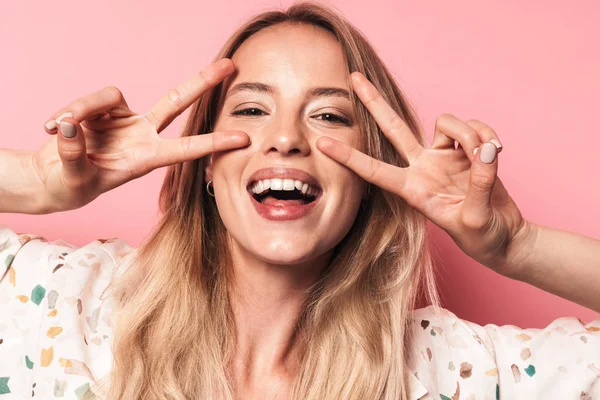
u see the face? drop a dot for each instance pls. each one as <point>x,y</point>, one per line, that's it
<point>289,89</point>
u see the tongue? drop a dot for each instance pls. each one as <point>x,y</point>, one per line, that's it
<point>272,201</point>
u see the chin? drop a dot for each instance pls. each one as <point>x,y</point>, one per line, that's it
<point>279,250</point>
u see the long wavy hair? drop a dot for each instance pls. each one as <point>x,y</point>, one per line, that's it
<point>175,332</point>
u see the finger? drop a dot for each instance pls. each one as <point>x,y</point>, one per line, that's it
<point>394,128</point>
<point>51,126</point>
<point>449,129</point>
<point>477,207</point>
<point>107,100</point>
<point>485,132</point>
<point>106,121</point>
<point>179,99</point>
<point>72,149</point>
<point>440,139</point>
<point>386,176</point>
<point>187,148</point>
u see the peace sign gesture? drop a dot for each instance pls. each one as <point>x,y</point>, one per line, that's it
<point>103,144</point>
<point>457,189</point>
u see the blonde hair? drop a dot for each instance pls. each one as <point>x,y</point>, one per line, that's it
<point>174,332</point>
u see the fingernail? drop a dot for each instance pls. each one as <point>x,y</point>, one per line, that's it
<point>238,139</point>
<point>497,143</point>
<point>67,114</point>
<point>325,143</point>
<point>475,151</point>
<point>68,129</point>
<point>50,125</point>
<point>488,153</point>
<point>230,139</point>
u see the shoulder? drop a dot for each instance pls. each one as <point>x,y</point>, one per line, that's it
<point>26,257</point>
<point>57,310</point>
<point>431,323</point>
<point>38,274</point>
<point>453,355</point>
<point>449,358</point>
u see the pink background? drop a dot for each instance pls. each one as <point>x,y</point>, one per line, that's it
<point>528,69</point>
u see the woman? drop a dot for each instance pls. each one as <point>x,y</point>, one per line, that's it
<point>292,245</point>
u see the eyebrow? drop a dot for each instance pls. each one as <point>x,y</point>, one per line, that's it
<point>264,88</point>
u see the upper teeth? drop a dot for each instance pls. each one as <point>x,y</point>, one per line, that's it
<point>283,184</point>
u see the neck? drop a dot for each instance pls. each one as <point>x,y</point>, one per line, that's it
<point>267,300</point>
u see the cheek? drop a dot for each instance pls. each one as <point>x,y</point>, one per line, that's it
<point>349,193</point>
<point>352,137</point>
<point>227,169</point>
<point>356,192</point>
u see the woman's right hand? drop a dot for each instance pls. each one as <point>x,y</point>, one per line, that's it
<point>114,145</point>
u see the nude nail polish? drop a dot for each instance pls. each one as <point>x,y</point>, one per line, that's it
<point>497,143</point>
<point>67,114</point>
<point>68,130</point>
<point>50,125</point>
<point>488,153</point>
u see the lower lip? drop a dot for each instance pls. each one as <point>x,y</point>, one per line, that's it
<point>283,212</point>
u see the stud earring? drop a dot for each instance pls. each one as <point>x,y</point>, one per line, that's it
<point>210,189</point>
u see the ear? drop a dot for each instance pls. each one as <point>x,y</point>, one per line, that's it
<point>208,169</point>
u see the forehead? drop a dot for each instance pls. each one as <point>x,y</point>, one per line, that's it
<point>291,57</point>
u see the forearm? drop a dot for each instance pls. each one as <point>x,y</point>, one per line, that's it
<point>563,263</point>
<point>20,189</point>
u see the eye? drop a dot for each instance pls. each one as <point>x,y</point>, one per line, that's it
<point>333,118</point>
<point>328,117</point>
<point>252,111</point>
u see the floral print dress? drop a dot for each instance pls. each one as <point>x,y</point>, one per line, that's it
<point>56,319</point>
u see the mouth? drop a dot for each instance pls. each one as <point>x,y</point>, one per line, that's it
<point>283,193</point>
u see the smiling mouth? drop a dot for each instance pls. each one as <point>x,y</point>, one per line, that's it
<point>283,192</point>
<point>292,197</point>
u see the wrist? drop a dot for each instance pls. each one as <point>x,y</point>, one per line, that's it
<point>21,189</point>
<point>41,205</point>
<point>520,252</point>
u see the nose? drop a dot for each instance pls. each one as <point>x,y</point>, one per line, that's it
<point>287,138</point>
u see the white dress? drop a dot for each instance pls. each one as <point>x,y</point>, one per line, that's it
<point>56,335</point>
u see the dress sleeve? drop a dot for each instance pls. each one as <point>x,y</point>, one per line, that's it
<point>458,359</point>
<point>55,322</point>
<point>24,259</point>
<point>560,361</point>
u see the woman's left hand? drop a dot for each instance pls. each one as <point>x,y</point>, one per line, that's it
<point>457,190</point>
